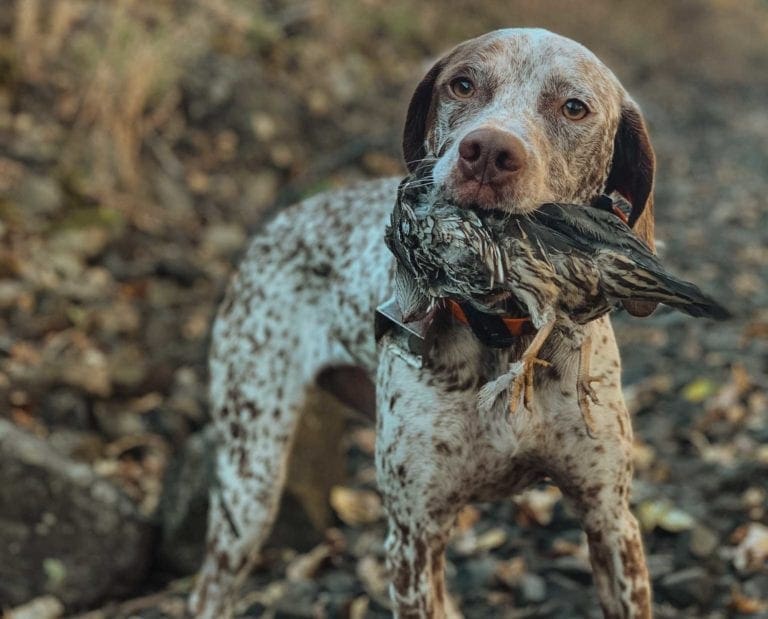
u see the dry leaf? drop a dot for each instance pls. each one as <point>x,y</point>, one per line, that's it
<point>746,605</point>
<point>373,574</point>
<point>45,607</point>
<point>510,572</point>
<point>365,440</point>
<point>467,518</point>
<point>304,567</point>
<point>643,456</point>
<point>538,504</point>
<point>356,507</point>
<point>565,548</point>
<point>752,551</point>
<point>492,538</point>
<point>358,608</point>
<point>699,390</point>
<point>665,515</point>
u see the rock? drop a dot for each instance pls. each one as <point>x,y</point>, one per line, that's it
<point>181,269</point>
<point>299,601</point>
<point>704,541</point>
<point>115,419</point>
<point>372,573</point>
<point>65,531</point>
<point>688,587</point>
<point>45,607</point>
<point>76,445</point>
<point>65,407</point>
<point>184,504</point>
<point>660,564</point>
<point>338,581</point>
<point>223,240</point>
<point>575,568</point>
<point>40,195</point>
<point>757,586</point>
<point>475,574</point>
<point>533,588</point>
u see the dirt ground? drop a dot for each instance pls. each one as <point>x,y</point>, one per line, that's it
<point>141,143</point>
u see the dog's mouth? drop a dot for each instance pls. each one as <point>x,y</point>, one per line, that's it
<point>484,198</point>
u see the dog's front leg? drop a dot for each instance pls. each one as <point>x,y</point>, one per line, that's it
<point>615,548</point>
<point>417,455</point>
<point>595,473</point>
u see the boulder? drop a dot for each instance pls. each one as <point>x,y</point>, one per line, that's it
<point>64,531</point>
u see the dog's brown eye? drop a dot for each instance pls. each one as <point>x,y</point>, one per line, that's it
<point>573,109</point>
<point>462,87</point>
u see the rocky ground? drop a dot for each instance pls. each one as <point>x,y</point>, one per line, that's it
<point>141,143</point>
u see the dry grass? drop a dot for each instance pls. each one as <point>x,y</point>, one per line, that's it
<point>116,68</point>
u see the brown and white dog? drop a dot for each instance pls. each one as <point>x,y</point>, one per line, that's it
<point>514,118</point>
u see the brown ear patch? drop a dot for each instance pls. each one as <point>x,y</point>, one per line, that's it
<point>632,175</point>
<point>419,111</point>
<point>634,163</point>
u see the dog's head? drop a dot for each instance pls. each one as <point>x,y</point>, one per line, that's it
<point>519,117</point>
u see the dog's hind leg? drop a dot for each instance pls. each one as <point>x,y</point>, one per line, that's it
<point>259,375</point>
<point>256,421</point>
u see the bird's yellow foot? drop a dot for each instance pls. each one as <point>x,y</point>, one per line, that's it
<point>586,393</point>
<point>524,383</point>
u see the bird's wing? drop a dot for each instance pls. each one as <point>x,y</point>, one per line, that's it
<point>629,269</point>
<point>592,230</point>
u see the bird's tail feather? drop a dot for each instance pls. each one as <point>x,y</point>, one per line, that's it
<point>683,296</point>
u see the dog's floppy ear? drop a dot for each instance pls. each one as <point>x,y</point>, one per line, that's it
<point>415,132</point>
<point>631,175</point>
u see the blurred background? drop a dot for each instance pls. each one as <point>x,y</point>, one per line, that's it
<point>142,142</point>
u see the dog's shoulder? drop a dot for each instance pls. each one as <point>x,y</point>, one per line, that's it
<point>323,241</point>
<point>337,211</point>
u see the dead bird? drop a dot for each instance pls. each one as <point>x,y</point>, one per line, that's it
<point>562,263</point>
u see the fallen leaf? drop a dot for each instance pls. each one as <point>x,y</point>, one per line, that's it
<point>643,456</point>
<point>373,574</point>
<point>490,539</point>
<point>358,608</point>
<point>365,440</point>
<point>538,504</point>
<point>467,518</point>
<point>746,605</point>
<point>305,566</point>
<point>664,515</point>
<point>356,507</point>
<point>511,572</point>
<point>752,550</point>
<point>45,607</point>
<point>699,390</point>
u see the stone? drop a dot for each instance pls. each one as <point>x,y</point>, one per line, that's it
<point>533,588</point>
<point>704,541</point>
<point>688,587</point>
<point>64,531</point>
<point>38,194</point>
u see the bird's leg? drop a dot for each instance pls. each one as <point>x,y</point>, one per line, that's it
<point>524,381</point>
<point>584,389</point>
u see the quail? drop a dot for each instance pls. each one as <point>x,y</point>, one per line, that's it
<point>562,263</point>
